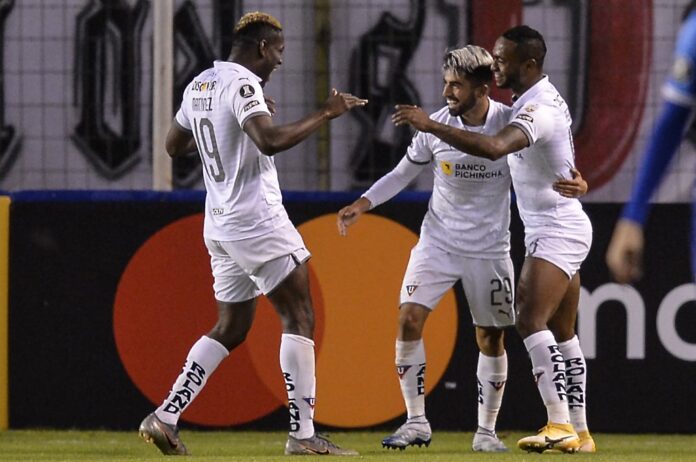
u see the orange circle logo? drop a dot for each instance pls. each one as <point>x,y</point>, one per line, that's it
<point>164,303</point>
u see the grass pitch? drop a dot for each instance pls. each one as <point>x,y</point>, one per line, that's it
<point>40,445</point>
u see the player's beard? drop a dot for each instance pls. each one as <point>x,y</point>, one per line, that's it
<point>462,107</point>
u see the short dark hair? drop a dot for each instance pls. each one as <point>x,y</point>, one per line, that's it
<point>254,27</point>
<point>529,42</point>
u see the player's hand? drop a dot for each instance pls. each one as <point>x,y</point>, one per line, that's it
<point>573,188</point>
<point>338,103</point>
<point>625,252</point>
<point>348,215</point>
<point>411,115</point>
<point>270,102</point>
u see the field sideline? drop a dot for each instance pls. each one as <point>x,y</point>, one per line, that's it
<point>40,445</point>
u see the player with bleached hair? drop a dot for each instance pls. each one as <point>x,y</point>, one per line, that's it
<point>253,246</point>
<point>538,144</point>
<point>464,237</point>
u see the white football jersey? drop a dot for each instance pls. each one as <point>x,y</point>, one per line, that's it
<point>243,197</point>
<point>543,115</point>
<point>469,211</point>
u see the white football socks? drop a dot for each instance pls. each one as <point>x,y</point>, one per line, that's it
<point>491,374</point>
<point>576,382</point>
<point>297,364</point>
<point>203,358</point>
<point>548,368</point>
<point>410,365</point>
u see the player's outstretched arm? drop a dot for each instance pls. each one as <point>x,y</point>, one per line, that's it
<point>572,188</point>
<point>510,139</point>
<point>384,189</point>
<point>350,214</point>
<point>625,252</point>
<point>272,139</point>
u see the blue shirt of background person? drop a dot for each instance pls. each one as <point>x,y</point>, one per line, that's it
<point>624,256</point>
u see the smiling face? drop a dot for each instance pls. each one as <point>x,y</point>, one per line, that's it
<point>459,92</point>
<point>271,51</point>
<point>506,64</point>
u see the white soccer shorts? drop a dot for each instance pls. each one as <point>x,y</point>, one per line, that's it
<point>488,284</point>
<point>567,252</point>
<point>246,268</point>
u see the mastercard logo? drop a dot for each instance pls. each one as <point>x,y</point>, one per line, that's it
<point>164,303</point>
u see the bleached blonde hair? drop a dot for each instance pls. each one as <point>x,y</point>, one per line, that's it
<point>257,17</point>
<point>470,61</point>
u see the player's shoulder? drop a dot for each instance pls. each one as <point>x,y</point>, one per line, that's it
<point>203,76</point>
<point>498,109</point>
<point>547,102</point>
<point>233,75</point>
<point>441,115</point>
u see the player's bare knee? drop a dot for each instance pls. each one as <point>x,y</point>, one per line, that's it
<point>563,335</point>
<point>230,336</point>
<point>299,319</point>
<point>410,324</point>
<point>526,324</point>
<point>490,341</point>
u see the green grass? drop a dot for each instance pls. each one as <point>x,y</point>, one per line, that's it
<point>39,445</point>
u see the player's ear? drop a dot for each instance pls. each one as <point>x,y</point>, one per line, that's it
<point>263,47</point>
<point>482,90</point>
<point>531,63</point>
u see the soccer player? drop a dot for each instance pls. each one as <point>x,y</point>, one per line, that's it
<point>625,252</point>
<point>465,236</point>
<point>253,246</point>
<point>558,233</point>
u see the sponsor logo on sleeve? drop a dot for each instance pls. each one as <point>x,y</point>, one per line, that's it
<point>250,105</point>
<point>525,117</point>
<point>246,91</point>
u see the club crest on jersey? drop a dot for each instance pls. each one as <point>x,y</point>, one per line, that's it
<point>247,91</point>
<point>446,169</point>
<point>411,288</point>
<point>310,401</point>
<point>401,370</point>
<point>531,107</point>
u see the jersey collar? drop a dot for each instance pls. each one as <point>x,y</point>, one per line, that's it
<point>532,92</point>
<point>234,66</point>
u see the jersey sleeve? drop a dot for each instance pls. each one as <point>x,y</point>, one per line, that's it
<point>680,87</point>
<point>419,151</point>
<point>535,121</point>
<point>182,116</point>
<point>393,182</point>
<point>246,99</point>
<point>679,93</point>
<point>662,146</point>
